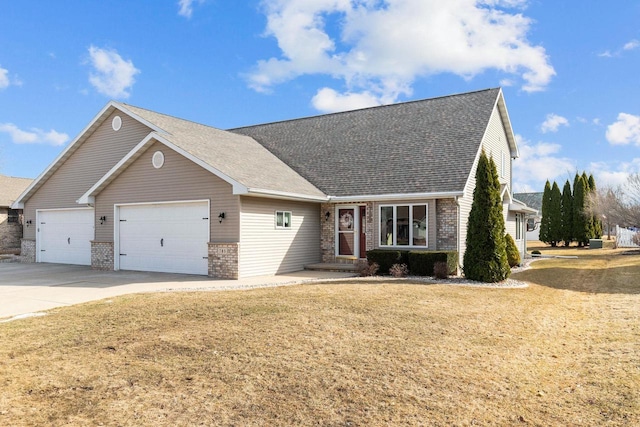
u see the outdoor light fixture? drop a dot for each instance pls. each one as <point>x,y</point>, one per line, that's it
<point>221,217</point>
<point>29,222</point>
<point>103,219</point>
<point>327,215</point>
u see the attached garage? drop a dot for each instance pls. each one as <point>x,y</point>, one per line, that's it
<point>164,237</point>
<point>64,236</point>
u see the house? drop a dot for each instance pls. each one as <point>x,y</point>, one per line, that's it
<point>10,219</point>
<point>534,201</point>
<point>140,190</point>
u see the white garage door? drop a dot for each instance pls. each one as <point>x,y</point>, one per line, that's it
<point>164,237</point>
<point>64,236</point>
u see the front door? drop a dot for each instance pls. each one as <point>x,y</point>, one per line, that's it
<point>351,231</point>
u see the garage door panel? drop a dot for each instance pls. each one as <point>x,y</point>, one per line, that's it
<point>64,236</point>
<point>169,237</point>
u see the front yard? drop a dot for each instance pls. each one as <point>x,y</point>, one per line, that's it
<point>565,351</point>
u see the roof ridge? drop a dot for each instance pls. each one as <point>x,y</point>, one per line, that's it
<point>171,116</point>
<point>395,104</point>
<point>14,177</point>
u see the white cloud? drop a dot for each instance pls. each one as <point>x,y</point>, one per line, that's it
<point>537,163</point>
<point>34,135</point>
<point>633,44</point>
<point>553,122</point>
<point>613,174</point>
<point>4,78</point>
<point>625,130</point>
<point>112,76</point>
<point>382,47</point>
<point>630,45</point>
<point>328,100</point>
<point>186,7</point>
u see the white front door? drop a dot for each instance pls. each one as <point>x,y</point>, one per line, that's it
<point>64,236</point>
<point>164,237</point>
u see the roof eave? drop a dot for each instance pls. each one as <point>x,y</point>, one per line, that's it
<point>396,196</point>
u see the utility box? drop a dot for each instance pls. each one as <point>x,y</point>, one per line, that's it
<point>595,243</point>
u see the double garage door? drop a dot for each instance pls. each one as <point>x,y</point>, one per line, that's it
<point>163,237</point>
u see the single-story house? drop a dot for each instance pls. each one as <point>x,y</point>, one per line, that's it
<point>140,190</point>
<point>11,219</point>
<point>534,201</point>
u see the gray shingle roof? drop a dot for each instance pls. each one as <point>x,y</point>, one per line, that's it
<point>414,147</point>
<point>237,156</point>
<point>11,188</point>
<point>533,200</point>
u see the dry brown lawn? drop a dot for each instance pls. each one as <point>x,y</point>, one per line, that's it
<point>563,352</point>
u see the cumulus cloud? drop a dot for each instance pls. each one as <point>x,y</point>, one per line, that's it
<point>378,48</point>
<point>34,135</point>
<point>328,100</point>
<point>537,163</point>
<point>186,7</point>
<point>4,78</point>
<point>625,130</point>
<point>112,75</point>
<point>614,174</point>
<point>553,122</point>
<point>633,44</point>
<point>630,45</point>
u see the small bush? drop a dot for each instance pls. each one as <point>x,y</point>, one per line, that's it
<point>440,270</point>
<point>386,258</point>
<point>368,269</point>
<point>513,255</point>
<point>536,252</point>
<point>399,270</point>
<point>421,263</point>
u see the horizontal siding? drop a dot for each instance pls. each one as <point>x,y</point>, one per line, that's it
<point>495,143</point>
<point>179,179</point>
<point>95,157</point>
<point>267,250</point>
<point>431,219</point>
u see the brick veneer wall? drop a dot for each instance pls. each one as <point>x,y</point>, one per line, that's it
<point>446,225</point>
<point>328,230</point>
<point>10,232</point>
<point>102,256</point>
<point>28,250</point>
<point>223,260</point>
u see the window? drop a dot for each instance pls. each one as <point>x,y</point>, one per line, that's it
<point>283,219</point>
<point>403,225</point>
<point>13,216</point>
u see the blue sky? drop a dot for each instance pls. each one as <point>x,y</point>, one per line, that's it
<point>569,69</point>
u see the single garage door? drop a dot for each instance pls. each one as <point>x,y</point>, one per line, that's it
<point>164,237</point>
<point>64,236</point>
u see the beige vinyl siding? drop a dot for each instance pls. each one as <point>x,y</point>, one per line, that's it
<point>509,221</point>
<point>178,180</point>
<point>267,250</point>
<point>495,143</point>
<point>95,157</point>
<point>431,220</point>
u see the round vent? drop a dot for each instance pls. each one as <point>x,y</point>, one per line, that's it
<point>116,123</point>
<point>158,159</point>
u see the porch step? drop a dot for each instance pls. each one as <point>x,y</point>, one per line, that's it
<point>350,268</point>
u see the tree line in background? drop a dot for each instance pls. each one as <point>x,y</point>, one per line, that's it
<point>569,216</point>
<point>619,205</point>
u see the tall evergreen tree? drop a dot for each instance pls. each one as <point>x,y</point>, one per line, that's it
<point>566,212</point>
<point>555,215</point>
<point>580,217</point>
<point>595,219</point>
<point>587,198</point>
<point>545,222</point>
<point>485,258</point>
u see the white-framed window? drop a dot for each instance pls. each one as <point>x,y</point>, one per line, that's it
<point>404,225</point>
<point>283,219</point>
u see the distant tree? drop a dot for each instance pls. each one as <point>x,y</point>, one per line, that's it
<point>566,213</point>
<point>485,258</point>
<point>545,222</point>
<point>581,222</point>
<point>555,215</point>
<point>596,222</point>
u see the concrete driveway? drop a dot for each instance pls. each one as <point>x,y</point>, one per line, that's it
<point>30,288</point>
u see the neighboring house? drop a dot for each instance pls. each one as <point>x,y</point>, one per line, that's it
<point>140,190</point>
<point>534,201</point>
<point>11,219</point>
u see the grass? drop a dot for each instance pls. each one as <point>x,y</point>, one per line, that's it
<point>565,351</point>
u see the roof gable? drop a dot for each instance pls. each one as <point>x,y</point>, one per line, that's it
<point>11,188</point>
<point>426,146</point>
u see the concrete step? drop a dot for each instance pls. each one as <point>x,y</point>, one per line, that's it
<point>336,266</point>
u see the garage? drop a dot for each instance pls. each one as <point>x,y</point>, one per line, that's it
<point>64,236</point>
<point>163,237</point>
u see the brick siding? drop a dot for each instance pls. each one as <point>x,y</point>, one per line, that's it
<point>102,256</point>
<point>223,260</point>
<point>446,225</point>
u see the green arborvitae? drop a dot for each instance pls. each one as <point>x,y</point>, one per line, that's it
<point>513,255</point>
<point>566,208</point>
<point>555,215</point>
<point>546,217</point>
<point>485,258</point>
<point>595,220</point>
<point>580,217</point>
